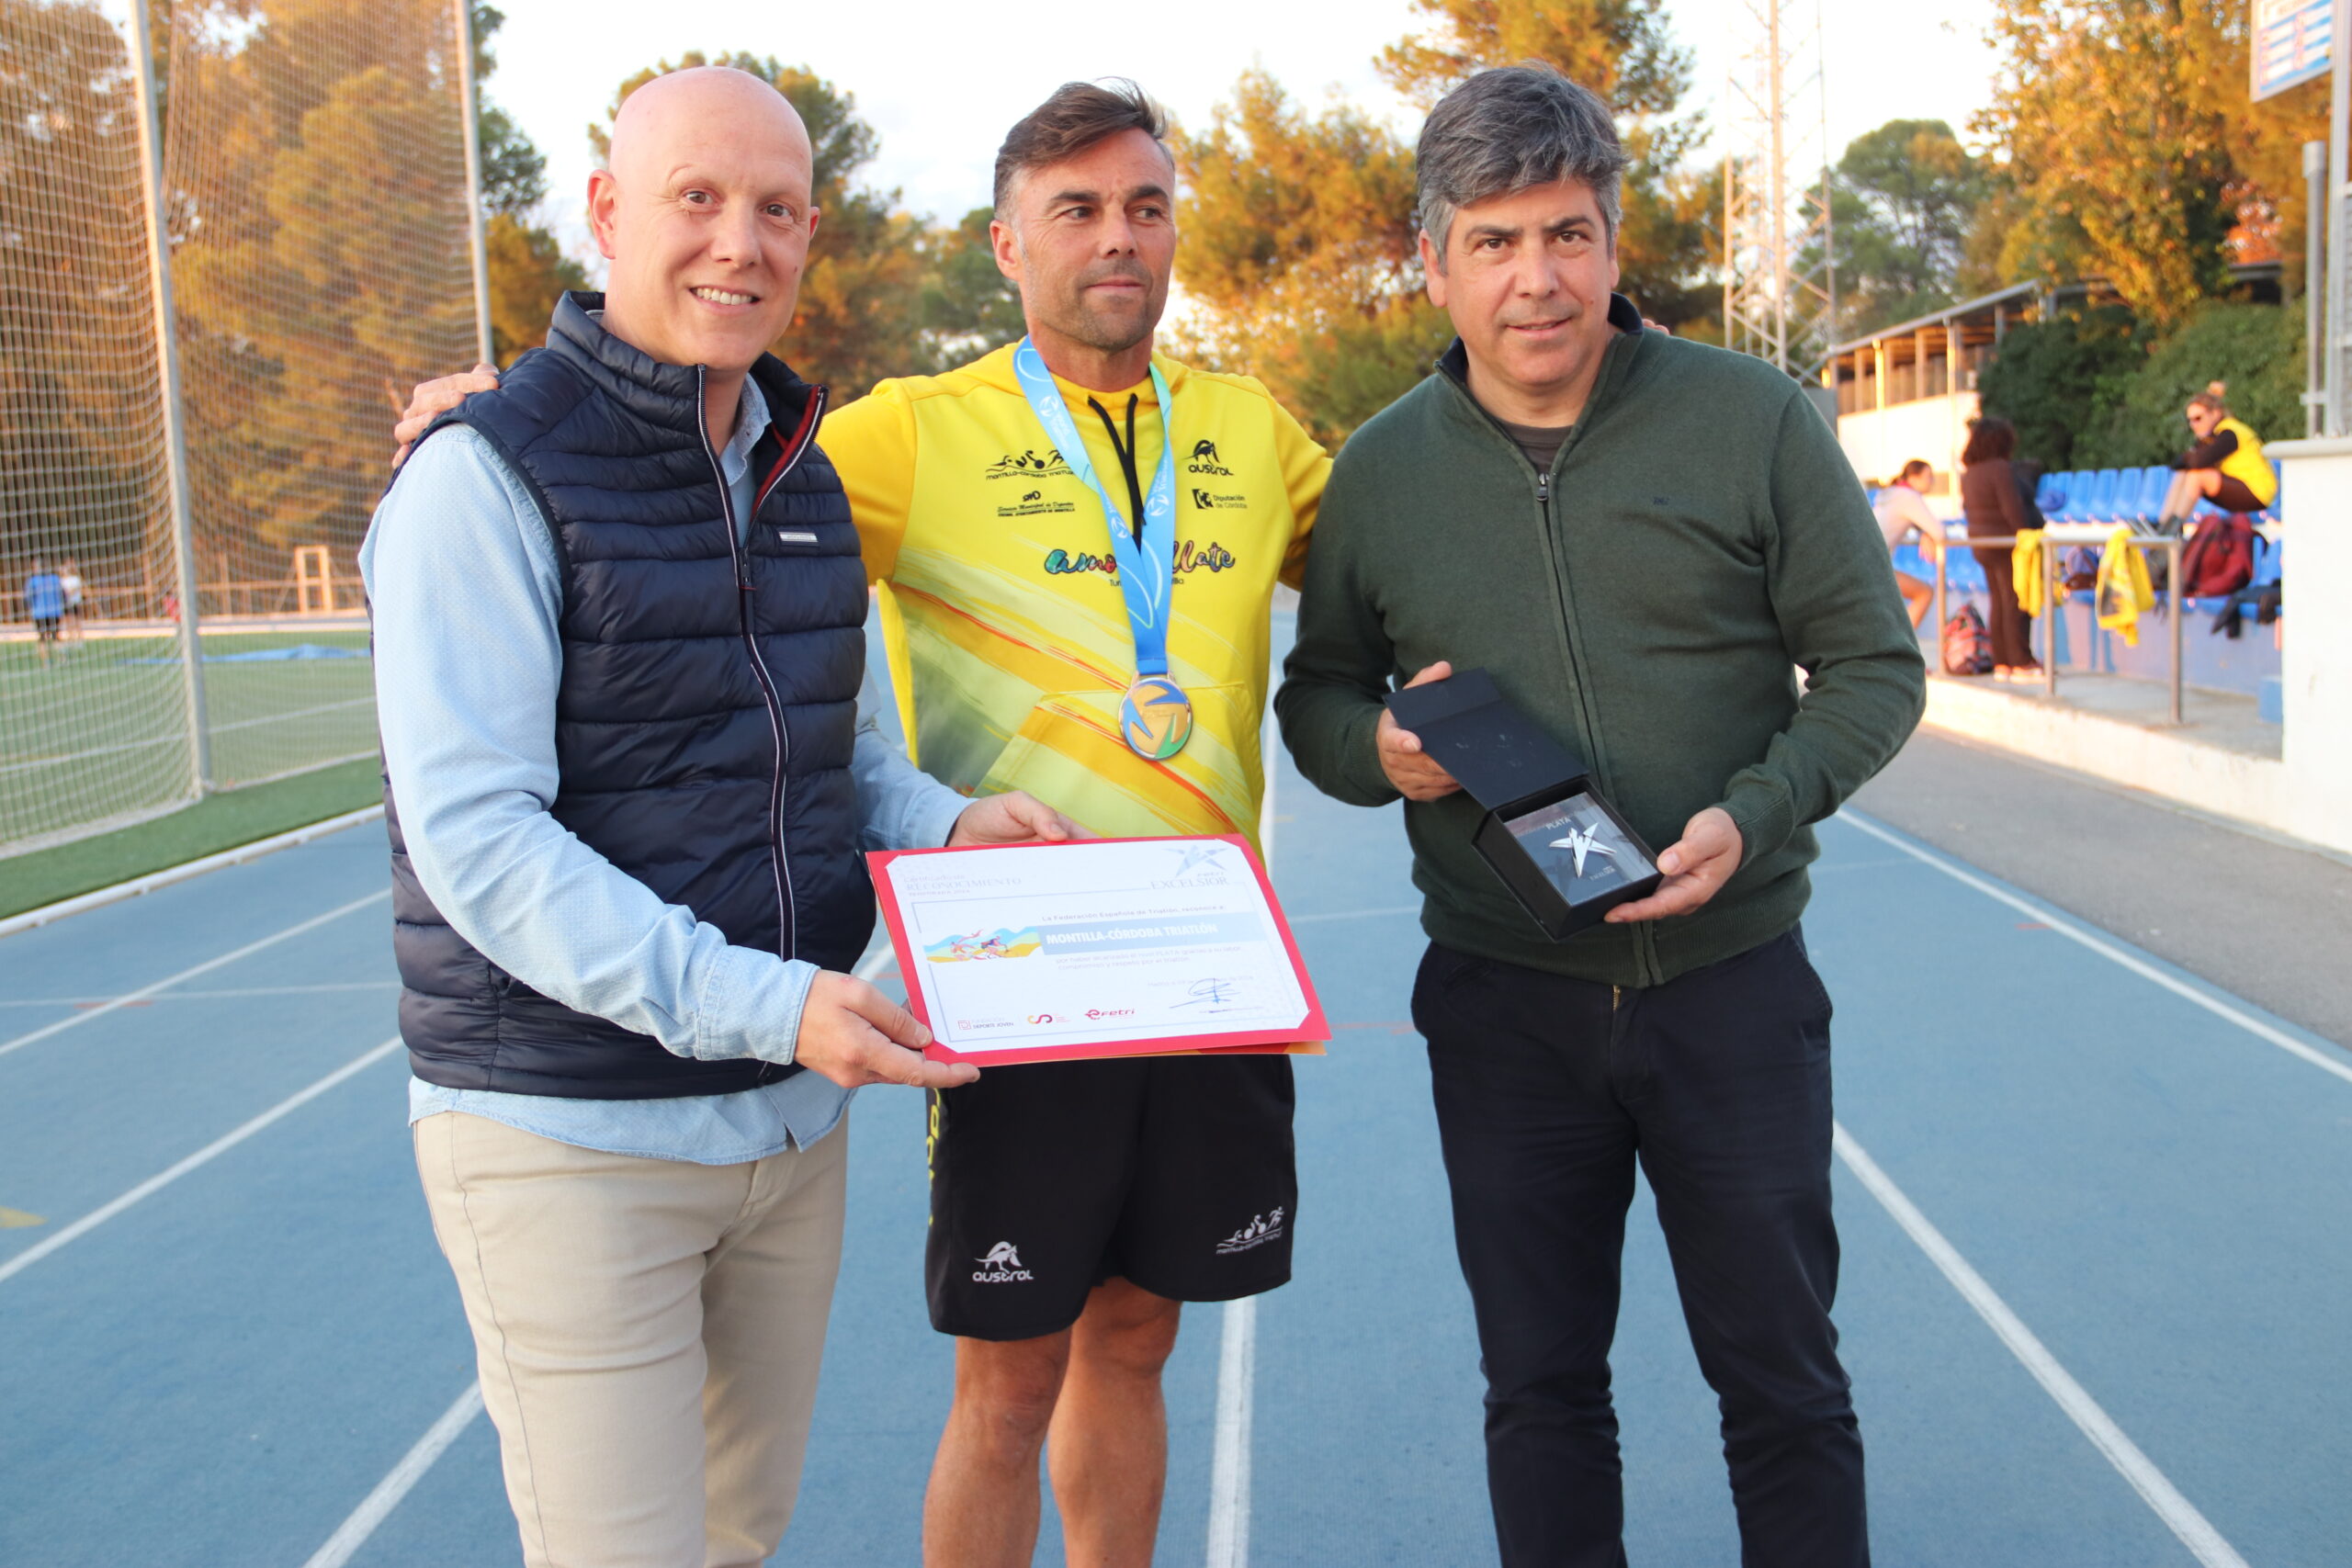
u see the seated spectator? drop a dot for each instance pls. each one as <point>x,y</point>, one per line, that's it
<point>2225,467</point>
<point>1997,509</point>
<point>1901,511</point>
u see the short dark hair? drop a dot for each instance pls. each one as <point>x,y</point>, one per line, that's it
<point>1509,129</point>
<point>1989,437</point>
<point>1079,115</point>
<point>1916,466</point>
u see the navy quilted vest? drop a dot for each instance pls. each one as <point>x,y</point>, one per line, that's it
<point>705,718</point>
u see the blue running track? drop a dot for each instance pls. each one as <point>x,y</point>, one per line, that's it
<point>2145,1183</point>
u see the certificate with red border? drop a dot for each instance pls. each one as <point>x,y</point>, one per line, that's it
<point>1100,947</point>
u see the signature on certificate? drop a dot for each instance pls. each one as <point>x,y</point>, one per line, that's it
<point>1213,994</point>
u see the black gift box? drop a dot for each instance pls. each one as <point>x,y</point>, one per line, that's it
<point>1561,850</point>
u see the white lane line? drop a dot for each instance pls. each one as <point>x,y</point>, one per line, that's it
<point>209,996</point>
<point>2104,948</point>
<point>137,886</point>
<point>378,1505</point>
<point>1236,1360</point>
<point>1236,1378</point>
<point>1356,914</point>
<point>221,1146</point>
<point>2178,1514</point>
<point>21,1041</point>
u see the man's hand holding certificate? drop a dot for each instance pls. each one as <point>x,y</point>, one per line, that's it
<point>1104,947</point>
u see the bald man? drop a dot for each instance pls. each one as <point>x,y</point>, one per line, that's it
<point>619,653</point>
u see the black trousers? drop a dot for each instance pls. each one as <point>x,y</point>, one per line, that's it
<point>2011,627</point>
<point>1548,1089</point>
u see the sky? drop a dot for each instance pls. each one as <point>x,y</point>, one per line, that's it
<point>939,80</point>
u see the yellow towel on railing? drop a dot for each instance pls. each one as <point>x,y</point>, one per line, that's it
<point>2025,573</point>
<point>2124,589</point>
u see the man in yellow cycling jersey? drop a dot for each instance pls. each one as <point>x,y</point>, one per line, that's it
<point>987,510</point>
<point>1076,1204</point>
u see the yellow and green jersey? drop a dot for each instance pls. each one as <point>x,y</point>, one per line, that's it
<point>1008,637</point>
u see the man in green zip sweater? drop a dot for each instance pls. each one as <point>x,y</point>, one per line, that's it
<point>1638,537</point>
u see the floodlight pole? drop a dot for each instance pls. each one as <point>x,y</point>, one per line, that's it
<point>475,243</point>
<point>168,364</point>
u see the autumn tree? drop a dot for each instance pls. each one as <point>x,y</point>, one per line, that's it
<point>1298,247</point>
<point>315,163</point>
<point>78,469</point>
<point>1298,250</point>
<point>2130,152</point>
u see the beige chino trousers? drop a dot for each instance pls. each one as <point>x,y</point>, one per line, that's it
<point>648,1333</point>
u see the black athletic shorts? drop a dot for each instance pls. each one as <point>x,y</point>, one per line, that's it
<point>1176,1173</point>
<point>2231,495</point>
<point>45,627</point>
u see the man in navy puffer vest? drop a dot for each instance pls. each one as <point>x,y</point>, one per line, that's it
<point>620,652</point>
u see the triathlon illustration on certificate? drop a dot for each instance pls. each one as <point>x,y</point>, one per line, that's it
<point>1100,948</point>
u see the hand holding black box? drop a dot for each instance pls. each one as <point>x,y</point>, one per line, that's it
<point>1559,847</point>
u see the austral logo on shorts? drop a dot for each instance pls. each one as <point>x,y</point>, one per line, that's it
<point>1001,1265</point>
<point>1262,1229</point>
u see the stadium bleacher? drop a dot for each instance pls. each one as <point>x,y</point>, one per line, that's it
<point>2106,496</point>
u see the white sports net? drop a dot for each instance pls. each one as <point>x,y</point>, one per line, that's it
<point>315,194</point>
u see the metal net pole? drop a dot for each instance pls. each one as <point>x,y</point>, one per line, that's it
<point>167,367</point>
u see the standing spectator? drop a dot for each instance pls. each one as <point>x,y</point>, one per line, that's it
<point>1902,509</point>
<point>1996,509</point>
<point>2225,466</point>
<point>1575,503</point>
<point>45,602</point>
<point>70,579</point>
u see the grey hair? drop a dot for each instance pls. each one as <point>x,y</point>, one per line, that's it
<point>1509,129</point>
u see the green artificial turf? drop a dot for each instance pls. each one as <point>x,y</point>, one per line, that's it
<point>219,822</point>
<point>99,732</point>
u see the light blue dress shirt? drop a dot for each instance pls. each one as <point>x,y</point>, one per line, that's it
<point>466,591</point>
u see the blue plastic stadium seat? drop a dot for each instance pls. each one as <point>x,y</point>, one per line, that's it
<point>2154,484</point>
<point>2068,484</point>
<point>2267,561</point>
<point>2106,495</point>
<point>2050,494</point>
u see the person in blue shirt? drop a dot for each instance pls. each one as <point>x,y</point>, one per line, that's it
<point>619,651</point>
<point>45,603</point>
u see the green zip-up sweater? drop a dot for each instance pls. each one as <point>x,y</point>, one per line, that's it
<point>1698,536</point>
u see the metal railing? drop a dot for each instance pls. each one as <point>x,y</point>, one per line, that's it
<point>2052,537</point>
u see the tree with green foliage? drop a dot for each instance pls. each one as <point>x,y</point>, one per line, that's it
<point>2050,379</point>
<point>2256,350</point>
<point>1904,197</point>
<point>969,305</point>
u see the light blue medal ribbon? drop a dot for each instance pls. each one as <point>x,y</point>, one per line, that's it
<point>1155,718</point>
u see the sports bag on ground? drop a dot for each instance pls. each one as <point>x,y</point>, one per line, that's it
<point>1967,643</point>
